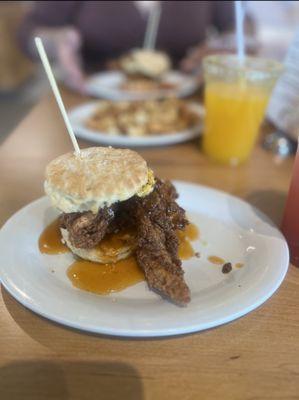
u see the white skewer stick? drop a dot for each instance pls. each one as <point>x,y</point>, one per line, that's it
<point>152,27</point>
<point>48,69</point>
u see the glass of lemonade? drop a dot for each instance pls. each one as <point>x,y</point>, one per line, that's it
<point>236,96</point>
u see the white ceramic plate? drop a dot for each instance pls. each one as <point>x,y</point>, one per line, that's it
<point>229,228</point>
<point>107,85</point>
<point>80,114</point>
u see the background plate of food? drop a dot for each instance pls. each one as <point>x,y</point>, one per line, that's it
<point>116,85</point>
<point>128,124</point>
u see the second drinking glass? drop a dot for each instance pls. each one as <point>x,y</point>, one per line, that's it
<point>236,96</point>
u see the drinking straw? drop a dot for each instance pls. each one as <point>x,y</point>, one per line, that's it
<point>152,27</point>
<point>239,15</point>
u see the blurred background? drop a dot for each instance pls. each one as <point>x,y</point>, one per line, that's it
<point>271,30</point>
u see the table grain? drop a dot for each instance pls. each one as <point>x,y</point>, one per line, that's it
<point>253,358</point>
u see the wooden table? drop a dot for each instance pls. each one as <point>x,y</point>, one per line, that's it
<point>253,358</point>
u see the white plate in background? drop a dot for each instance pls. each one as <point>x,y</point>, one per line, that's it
<point>107,85</point>
<point>80,114</point>
<point>229,227</point>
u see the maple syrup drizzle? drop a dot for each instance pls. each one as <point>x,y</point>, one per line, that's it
<point>216,260</point>
<point>50,240</point>
<point>192,232</point>
<point>115,244</point>
<point>111,277</point>
<point>105,278</point>
<point>189,234</point>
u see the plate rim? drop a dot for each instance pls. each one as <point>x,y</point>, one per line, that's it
<point>143,333</point>
<point>118,95</point>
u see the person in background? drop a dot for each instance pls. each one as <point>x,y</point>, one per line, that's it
<point>84,35</point>
<point>276,23</point>
<point>284,103</point>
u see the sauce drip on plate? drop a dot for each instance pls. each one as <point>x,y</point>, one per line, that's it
<point>105,278</point>
<point>50,240</point>
<point>111,277</point>
<point>189,234</point>
<point>216,260</point>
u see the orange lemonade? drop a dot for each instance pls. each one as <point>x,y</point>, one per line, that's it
<point>234,112</point>
<point>236,96</point>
